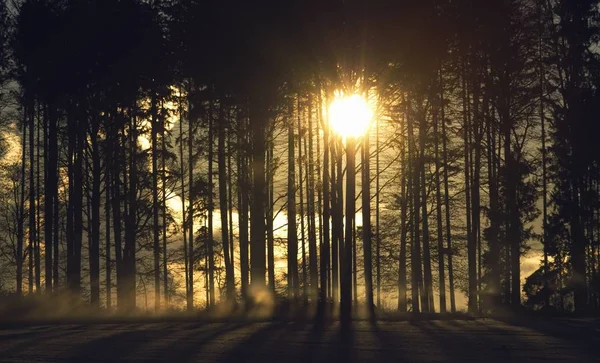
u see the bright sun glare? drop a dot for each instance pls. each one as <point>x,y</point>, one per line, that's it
<point>350,115</point>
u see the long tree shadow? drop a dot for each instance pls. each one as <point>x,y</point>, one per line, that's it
<point>34,338</point>
<point>584,336</point>
<point>186,347</point>
<point>116,346</point>
<point>250,348</point>
<point>461,344</point>
<point>315,342</point>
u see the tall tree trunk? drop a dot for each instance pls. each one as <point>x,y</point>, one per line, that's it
<point>259,120</point>
<point>346,260</point>
<point>94,248</point>
<point>310,191</point>
<point>335,220</point>
<point>230,283</point>
<point>495,250</point>
<point>155,203</point>
<point>438,204</point>
<point>339,187</point>
<point>129,286</point>
<point>479,110</point>
<point>447,198</point>
<point>325,249</point>
<point>319,191</point>
<point>117,167</point>
<point>354,262</point>
<point>38,186</point>
<point>74,272</point>
<point>107,186</point>
<point>471,248</point>
<point>32,196</point>
<point>428,278</point>
<point>542,78</point>
<point>402,303</point>
<point>270,206</point>
<point>50,190</point>
<point>366,216</point>
<point>210,237</point>
<point>183,212</point>
<point>301,182</point>
<point>476,132</point>
<point>377,215</point>
<point>191,257</point>
<point>230,202</point>
<point>292,233</point>
<point>416,269</point>
<point>243,204</point>
<point>21,208</point>
<point>163,174</point>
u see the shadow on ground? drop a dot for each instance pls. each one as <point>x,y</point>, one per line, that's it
<point>480,340</point>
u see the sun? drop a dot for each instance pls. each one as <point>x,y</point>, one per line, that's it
<point>349,116</point>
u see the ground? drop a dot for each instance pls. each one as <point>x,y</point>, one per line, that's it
<point>479,340</point>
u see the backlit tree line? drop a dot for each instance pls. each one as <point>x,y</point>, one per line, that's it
<point>177,153</point>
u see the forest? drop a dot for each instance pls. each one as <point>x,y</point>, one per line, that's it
<point>180,155</point>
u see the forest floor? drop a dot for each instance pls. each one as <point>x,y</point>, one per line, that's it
<point>477,340</point>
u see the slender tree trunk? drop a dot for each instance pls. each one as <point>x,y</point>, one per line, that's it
<point>319,191</point>
<point>377,215</point>
<point>346,260</point>
<point>230,204</point>
<point>310,191</point>
<point>21,208</point>
<point>107,186</point>
<point>428,278</point>
<point>475,131</point>
<point>74,273</point>
<point>402,303</point>
<point>164,217</point>
<point>230,284</point>
<point>325,249</point>
<point>259,120</point>
<point>542,77</point>
<point>335,220</point>
<point>292,233</point>
<point>32,196</point>
<point>94,248</point>
<point>354,262</point>
<point>191,257</point>
<point>210,240</point>
<point>301,182</point>
<point>471,248</point>
<point>155,203</point>
<point>243,205</point>
<point>270,206</point>
<point>495,250</point>
<point>129,287</point>
<point>416,269</point>
<point>117,167</point>
<point>183,212</point>
<point>447,198</point>
<point>366,215</point>
<point>438,200</point>
<point>340,214</point>
<point>38,186</point>
<point>50,190</point>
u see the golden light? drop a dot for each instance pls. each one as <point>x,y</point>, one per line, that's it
<point>349,116</point>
